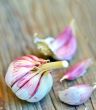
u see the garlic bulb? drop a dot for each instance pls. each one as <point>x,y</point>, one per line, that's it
<point>76,95</point>
<point>77,70</point>
<point>29,77</point>
<point>63,47</point>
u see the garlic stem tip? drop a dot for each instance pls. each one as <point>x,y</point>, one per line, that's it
<point>72,22</point>
<point>65,64</point>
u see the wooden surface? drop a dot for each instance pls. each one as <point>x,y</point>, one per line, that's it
<point>19,19</point>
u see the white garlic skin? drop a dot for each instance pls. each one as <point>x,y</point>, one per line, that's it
<point>23,82</point>
<point>44,88</point>
<point>76,95</point>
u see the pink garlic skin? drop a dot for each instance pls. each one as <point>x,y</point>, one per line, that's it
<point>27,84</point>
<point>77,70</point>
<point>65,45</point>
<point>76,95</point>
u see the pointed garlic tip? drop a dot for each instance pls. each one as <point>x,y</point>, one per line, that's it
<point>65,63</point>
<point>64,77</point>
<point>89,62</point>
<point>72,24</point>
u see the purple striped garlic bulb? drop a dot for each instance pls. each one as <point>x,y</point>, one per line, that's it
<point>63,47</point>
<point>77,94</point>
<point>77,70</point>
<point>29,77</point>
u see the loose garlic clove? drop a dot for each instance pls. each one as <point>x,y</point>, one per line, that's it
<point>77,70</point>
<point>29,77</point>
<point>76,95</point>
<point>63,47</point>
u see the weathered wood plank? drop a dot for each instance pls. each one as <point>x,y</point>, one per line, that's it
<point>18,22</point>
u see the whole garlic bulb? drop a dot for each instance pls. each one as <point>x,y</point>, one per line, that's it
<point>29,77</point>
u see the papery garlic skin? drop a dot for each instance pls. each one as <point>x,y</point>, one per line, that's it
<point>43,90</point>
<point>77,70</point>
<point>65,45</point>
<point>25,81</point>
<point>76,95</point>
<point>43,44</point>
<point>32,92</point>
<point>21,66</point>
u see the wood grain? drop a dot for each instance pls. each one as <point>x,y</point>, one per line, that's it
<point>19,19</point>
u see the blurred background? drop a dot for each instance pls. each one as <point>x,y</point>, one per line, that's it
<point>20,19</point>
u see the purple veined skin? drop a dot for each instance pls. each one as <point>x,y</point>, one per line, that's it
<point>77,70</point>
<point>76,95</point>
<point>29,77</point>
<point>63,47</point>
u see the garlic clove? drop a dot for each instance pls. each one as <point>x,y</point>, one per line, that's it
<point>42,90</point>
<point>63,47</point>
<point>76,95</point>
<point>16,70</point>
<point>23,81</point>
<point>28,88</point>
<point>77,70</point>
<point>65,36</point>
<point>66,51</point>
<point>65,44</point>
